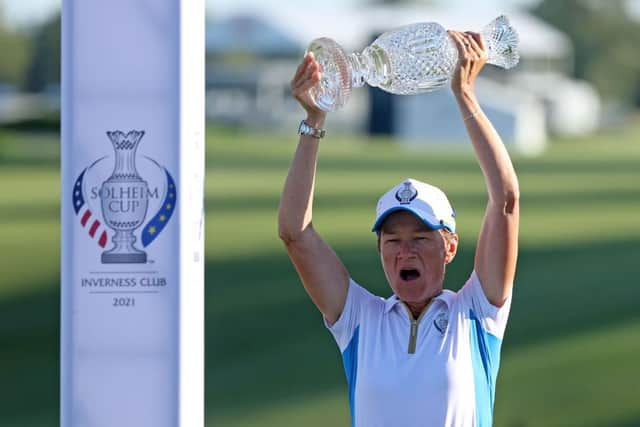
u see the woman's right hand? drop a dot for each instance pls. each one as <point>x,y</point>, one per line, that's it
<point>307,75</point>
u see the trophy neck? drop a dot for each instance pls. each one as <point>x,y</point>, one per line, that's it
<point>358,68</point>
<point>125,163</point>
<point>371,67</point>
<point>125,148</point>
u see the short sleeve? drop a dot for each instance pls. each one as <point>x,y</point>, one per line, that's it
<point>493,319</point>
<point>344,328</point>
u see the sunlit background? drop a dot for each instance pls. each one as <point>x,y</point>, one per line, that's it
<point>568,114</point>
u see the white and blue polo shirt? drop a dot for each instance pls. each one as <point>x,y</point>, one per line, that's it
<point>437,371</point>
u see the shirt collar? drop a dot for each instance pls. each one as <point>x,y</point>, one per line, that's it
<point>445,296</point>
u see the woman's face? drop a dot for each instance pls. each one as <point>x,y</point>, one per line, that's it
<point>414,257</point>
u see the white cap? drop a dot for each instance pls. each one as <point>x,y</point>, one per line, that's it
<point>425,201</point>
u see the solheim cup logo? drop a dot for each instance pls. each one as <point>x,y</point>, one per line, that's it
<point>406,194</point>
<point>124,200</point>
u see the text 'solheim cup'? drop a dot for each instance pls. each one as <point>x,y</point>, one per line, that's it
<point>412,59</point>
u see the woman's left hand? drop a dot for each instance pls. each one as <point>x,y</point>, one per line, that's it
<point>472,55</point>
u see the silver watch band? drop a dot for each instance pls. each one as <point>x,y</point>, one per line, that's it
<point>306,129</point>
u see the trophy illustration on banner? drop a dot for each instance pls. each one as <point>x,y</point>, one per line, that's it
<point>411,59</point>
<point>124,200</point>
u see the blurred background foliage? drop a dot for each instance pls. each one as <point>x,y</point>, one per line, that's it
<point>30,55</point>
<point>16,56</point>
<point>605,39</point>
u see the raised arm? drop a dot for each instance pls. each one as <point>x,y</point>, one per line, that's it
<point>497,250</point>
<point>323,275</point>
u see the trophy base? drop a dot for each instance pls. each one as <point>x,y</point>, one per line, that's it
<point>334,88</point>
<point>115,258</point>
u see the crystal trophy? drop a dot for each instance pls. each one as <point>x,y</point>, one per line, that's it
<point>411,59</point>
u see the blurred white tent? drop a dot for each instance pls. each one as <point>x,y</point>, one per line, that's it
<point>249,34</point>
<point>518,115</point>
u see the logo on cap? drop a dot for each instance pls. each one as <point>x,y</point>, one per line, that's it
<point>406,194</point>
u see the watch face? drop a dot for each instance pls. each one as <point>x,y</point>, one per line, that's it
<point>305,129</point>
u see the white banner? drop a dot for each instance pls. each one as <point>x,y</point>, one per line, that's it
<point>132,214</point>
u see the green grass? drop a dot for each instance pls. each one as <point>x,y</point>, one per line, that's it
<point>570,356</point>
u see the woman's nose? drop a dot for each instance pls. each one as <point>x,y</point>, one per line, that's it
<point>406,247</point>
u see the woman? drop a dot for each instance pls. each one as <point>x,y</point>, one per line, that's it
<point>425,356</point>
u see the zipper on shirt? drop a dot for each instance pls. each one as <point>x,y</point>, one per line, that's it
<point>413,336</point>
<point>413,332</point>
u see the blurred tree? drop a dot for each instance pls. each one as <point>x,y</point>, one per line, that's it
<point>605,41</point>
<point>15,48</point>
<point>44,67</point>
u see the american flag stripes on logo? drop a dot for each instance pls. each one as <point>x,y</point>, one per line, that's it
<point>87,219</point>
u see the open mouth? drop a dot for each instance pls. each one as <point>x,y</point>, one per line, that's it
<point>409,274</point>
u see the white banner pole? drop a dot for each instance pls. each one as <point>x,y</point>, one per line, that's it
<point>132,268</point>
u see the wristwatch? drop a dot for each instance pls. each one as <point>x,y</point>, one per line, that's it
<point>306,129</point>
